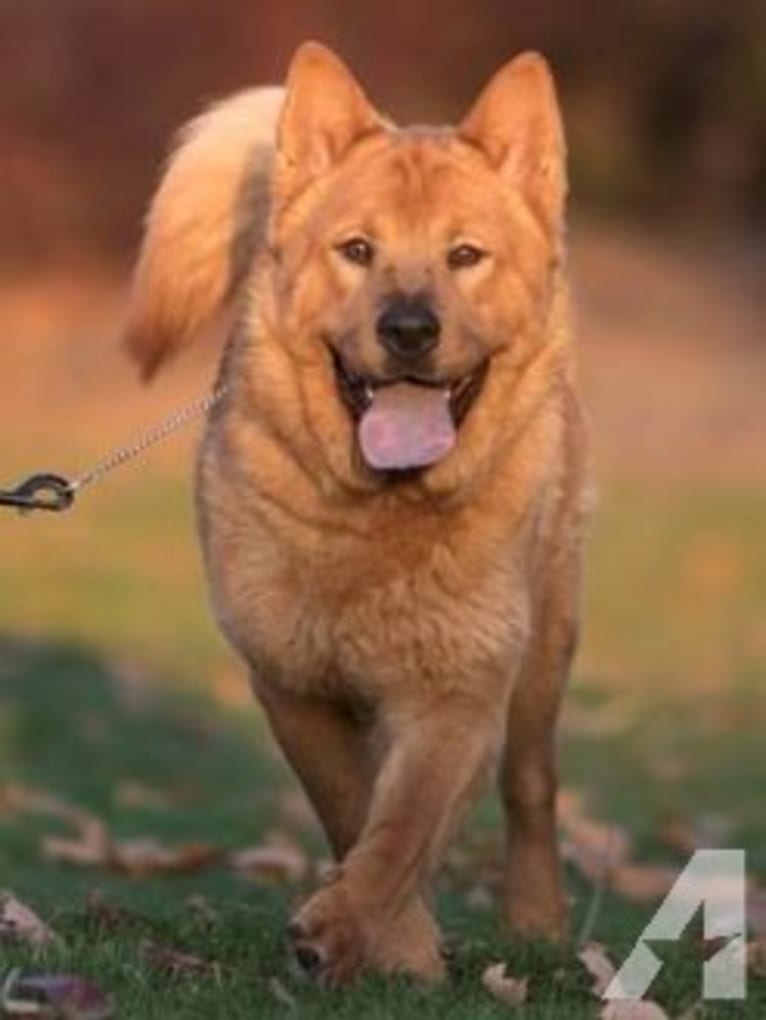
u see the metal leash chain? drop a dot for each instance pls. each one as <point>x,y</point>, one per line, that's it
<point>53,492</point>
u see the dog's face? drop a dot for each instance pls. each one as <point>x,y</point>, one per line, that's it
<point>412,267</point>
<point>409,273</point>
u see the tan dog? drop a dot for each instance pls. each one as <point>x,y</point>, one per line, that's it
<point>390,492</point>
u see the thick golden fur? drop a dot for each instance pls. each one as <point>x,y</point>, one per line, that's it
<point>404,635</point>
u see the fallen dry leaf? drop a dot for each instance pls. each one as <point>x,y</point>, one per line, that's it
<point>685,835</point>
<point>503,987</point>
<point>602,853</point>
<point>94,847</point>
<point>25,798</point>
<point>88,847</point>
<point>593,957</point>
<point>142,857</point>
<point>19,923</point>
<point>678,833</point>
<point>54,997</point>
<point>594,847</point>
<point>176,964</point>
<point>91,846</point>
<point>278,862</point>
<point>628,1009</point>
<point>600,967</point>
<point>642,883</point>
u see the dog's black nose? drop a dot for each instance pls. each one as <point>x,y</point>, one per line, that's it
<point>408,328</point>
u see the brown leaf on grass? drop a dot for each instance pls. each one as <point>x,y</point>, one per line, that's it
<point>89,848</point>
<point>678,833</point>
<point>602,853</point>
<point>20,924</point>
<point>593,957</point>
<point>142,857</point>
<point>176,964</point>
<point>89,845</point>
<point>503,987</point>
<point>279,861</point>
<point>595,960</point>
<point>628,1009</point>
<point>686,835</point>
<point>40,802</point>
<point>642,883</point>
<point>93,845</point>
<point>139,858</point>
<point>54,997</point>
<point>594,847</point>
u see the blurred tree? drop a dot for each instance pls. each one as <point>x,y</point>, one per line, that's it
<point>664,101</point>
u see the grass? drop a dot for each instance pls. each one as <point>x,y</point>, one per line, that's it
<point>111,673</point>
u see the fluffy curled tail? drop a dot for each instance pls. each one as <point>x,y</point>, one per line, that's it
<point>206,221</point>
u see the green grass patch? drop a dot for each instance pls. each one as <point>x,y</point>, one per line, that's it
<point>74,727</point>
<point>111,674</point>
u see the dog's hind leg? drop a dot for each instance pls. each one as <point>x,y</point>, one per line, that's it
<point>535,903</point>
<point>335,758</point>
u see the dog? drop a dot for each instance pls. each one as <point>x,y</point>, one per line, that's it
<point>391,489</point>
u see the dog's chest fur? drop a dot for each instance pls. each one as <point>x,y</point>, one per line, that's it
<point>385,598</point>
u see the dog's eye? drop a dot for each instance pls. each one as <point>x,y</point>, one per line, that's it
<point>357,250</point>
<point>464,255</point>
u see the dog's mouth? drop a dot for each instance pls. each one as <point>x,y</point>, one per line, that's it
<point>408,422</point>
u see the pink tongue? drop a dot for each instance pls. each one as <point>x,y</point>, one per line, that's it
<point>406,426</point>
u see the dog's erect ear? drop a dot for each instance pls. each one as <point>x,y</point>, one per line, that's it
<point>325,112</point>
<point>516,122</point>
<point>206,221</point>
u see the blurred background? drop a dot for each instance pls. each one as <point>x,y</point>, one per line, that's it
<point>664,105</point>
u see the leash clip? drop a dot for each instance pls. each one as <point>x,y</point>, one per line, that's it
<point>40,492</point>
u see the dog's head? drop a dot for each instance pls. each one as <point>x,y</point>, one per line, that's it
<point>410,271</point>
<point>414,263</point>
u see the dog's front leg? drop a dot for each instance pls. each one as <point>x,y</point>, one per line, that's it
<point>439,753</point>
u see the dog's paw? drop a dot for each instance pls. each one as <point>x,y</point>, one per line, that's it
<point>410,944</point>
<point>333,939</point>
<point>327,937</point>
